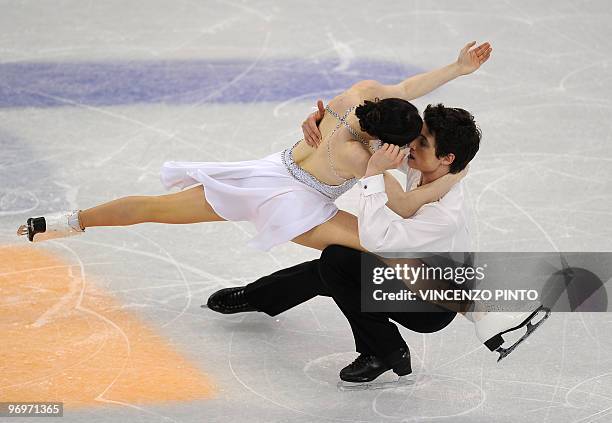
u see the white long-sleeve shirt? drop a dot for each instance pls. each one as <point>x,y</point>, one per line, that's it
<point>440,226</point>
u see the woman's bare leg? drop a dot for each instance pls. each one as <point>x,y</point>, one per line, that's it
<point>188,206</point>
<point>340,230</point>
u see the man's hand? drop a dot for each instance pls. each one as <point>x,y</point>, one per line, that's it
<point>470,58</point>
<point>387,157</point>
<point>312,135</point>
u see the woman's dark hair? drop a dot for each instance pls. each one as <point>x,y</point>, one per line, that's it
<point>455,132</point>
<point>392,120</point>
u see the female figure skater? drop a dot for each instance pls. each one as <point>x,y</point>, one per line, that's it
<point>289,195</point>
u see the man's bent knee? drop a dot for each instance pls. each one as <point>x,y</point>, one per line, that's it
<point>338,253</point>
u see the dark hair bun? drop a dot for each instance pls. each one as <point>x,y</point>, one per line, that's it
<point>369,115</point>
<point>391,120</point>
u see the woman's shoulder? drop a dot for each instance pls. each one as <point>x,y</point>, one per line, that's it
<point>345,101</point>
<point>368,89</point>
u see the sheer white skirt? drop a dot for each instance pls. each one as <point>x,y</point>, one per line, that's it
<point>259,191</point>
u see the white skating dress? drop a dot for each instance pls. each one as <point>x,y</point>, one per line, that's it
<point>280,198</point>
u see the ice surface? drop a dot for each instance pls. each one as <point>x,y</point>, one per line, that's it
<point>94,96</point>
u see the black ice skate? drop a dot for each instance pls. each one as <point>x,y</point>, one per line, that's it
<point>229,301</point>
<point>362,373</point>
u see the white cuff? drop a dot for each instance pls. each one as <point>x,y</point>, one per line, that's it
<point>372,184</point>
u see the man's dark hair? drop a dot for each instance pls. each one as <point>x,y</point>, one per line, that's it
<point>391,120</point>
<point>455,132</point>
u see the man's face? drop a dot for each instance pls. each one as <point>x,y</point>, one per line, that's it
<point>423,152</point>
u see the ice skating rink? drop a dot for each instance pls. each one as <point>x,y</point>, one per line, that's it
<point>94,96</point>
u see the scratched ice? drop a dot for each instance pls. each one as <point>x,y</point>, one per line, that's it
<point>96,98</point>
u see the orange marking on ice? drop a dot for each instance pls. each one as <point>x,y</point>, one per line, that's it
<point>61,342</point>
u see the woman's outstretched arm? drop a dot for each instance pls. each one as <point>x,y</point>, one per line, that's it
<point>469,60</point>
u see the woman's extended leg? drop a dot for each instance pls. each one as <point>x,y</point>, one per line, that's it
<point>188,206</point>
<point>340,230</point>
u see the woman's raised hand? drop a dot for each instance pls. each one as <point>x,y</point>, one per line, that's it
<point>470,58</point>
<point>389,156</point>
<point>312,135</point>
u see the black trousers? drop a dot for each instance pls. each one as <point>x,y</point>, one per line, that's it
<point>338,274</point>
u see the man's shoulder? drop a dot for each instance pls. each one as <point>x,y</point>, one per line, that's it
<point>451,207</point>
<point>455,197</point>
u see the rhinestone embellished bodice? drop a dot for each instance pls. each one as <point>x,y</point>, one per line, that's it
<point>330,191</point>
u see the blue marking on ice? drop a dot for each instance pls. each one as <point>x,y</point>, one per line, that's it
<point>185,82</point>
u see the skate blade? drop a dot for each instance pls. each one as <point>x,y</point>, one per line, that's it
<point>45,236</point>
<point>531,327</point>
<point>364,386</point>
<point>23,230</point>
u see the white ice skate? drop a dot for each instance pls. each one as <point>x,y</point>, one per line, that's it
<point>492,327</point>
<point>56,225</point>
